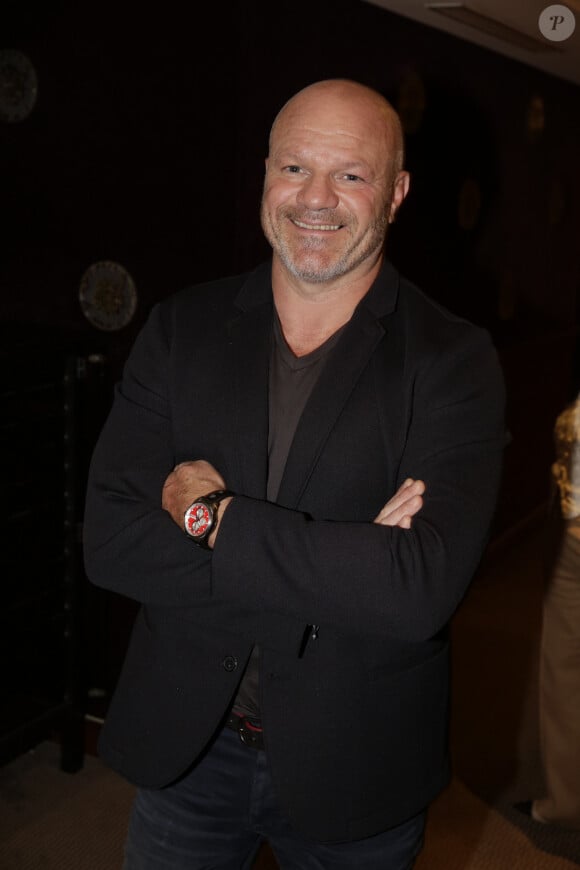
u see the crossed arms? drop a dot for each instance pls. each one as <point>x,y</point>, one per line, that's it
<point>189,480</point>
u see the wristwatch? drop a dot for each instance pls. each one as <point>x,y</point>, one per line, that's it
<point>201,516</point>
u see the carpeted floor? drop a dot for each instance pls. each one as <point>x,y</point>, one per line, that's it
<point>50,820</point>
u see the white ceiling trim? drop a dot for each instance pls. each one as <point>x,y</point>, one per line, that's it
<point>560,59</point>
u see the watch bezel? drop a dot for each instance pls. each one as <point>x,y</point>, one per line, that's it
<point>211,503</point>
<point>209,506</point>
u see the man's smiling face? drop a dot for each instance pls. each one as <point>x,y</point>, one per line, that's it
<point>331,183</point>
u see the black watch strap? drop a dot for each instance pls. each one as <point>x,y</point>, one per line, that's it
<point>218,495</point>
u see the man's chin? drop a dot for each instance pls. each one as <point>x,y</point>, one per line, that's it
<point>316,272</point>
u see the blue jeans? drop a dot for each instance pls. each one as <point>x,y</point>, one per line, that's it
<point>216,817</point>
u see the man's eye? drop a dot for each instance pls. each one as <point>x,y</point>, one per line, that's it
<point>349,177</point>
<point>292,169</point>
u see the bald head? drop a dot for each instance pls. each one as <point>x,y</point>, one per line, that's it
<point>343,100</point>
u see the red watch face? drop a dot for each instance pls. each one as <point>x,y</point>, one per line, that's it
<point>197,520</point>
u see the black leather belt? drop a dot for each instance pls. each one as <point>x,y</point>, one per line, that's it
<point>249,730</point>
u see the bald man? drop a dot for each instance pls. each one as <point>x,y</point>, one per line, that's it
<point>296,481</point>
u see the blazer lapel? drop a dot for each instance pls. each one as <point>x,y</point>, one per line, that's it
<point>337,380</point>
<point>250,336</point>
<point>249,344</point>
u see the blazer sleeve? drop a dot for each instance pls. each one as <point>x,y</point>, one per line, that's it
<point>371,579</point>
<point>130,544</point>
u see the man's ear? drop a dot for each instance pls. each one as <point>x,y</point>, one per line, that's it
<point>400,191</point>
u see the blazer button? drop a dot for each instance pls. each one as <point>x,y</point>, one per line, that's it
<point>230,663</point>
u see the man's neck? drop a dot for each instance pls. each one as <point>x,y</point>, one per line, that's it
<point>310,313</point>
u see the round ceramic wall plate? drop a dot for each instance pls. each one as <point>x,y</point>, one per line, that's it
<point>107,295</point>
<point>18,86</point>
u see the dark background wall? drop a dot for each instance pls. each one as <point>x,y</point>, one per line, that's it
<point>146,147</point>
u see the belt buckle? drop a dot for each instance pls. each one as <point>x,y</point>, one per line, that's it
<point>250,736</point>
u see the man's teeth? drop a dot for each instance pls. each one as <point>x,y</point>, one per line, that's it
<point>317,226</point>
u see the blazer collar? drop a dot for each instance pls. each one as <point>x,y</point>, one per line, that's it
<point>383,294</point>
<point>256,289</point>
<point>380,300</point>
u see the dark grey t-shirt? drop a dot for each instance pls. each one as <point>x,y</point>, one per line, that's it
<point>292,379</point>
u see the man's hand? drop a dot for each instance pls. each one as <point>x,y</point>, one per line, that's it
<point>402,507</point>
<point>188,481</point>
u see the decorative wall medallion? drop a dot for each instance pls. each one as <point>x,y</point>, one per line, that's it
<point>411,102</point>
<point>107,295</point>
<point>468,204</point>
<point>18,86</point>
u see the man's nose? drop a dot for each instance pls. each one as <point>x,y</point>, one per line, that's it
<point>318,192</point>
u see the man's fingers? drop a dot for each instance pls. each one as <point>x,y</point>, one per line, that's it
<point>406,491</point>
<point>405,495</point>
<point>402,507</point>
<point>392,516</point>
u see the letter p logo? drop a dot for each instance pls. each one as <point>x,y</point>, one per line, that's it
<point>557,23</point>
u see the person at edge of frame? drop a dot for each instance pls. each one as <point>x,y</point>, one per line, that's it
<point>559,665</point>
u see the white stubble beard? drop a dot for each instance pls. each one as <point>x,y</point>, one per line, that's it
<point>315,273</point>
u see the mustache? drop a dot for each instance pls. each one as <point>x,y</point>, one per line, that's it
<point>321,216</point>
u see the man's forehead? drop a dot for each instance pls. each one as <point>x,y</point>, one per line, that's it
<point>305,145</point>
<point>318,135</point>
<point>336,116</point>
